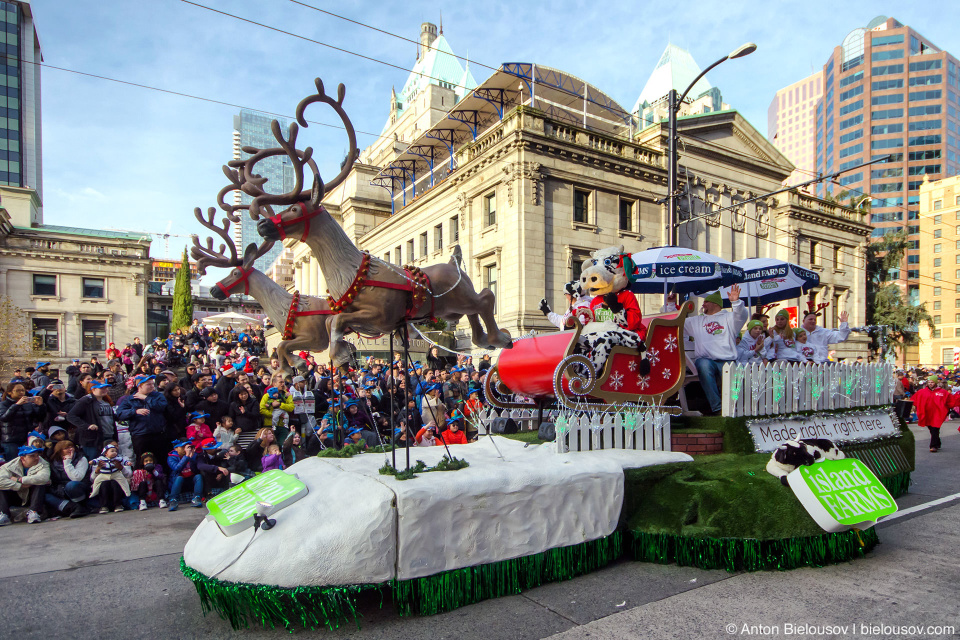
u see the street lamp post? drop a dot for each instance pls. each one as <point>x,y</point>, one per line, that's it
<point>674,103</point>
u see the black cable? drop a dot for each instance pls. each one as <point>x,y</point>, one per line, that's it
<point>619,109</point>
<point>322,44</point>
<point>388,33</point>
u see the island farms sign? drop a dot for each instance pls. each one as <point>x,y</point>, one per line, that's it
<point>768,434</point>
<point>841,494</point>
<point>233,509</point>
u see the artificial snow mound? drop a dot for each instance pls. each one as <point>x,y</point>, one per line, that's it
<point>356,526</point>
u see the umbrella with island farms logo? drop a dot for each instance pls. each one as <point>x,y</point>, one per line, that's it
<point>767,280</point>
<point>680,270</point>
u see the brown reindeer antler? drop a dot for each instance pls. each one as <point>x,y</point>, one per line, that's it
<point>768,307</point>
<point>233,175</point>
<point>252,183</point>
<point>320,96</point>
<point>206,255</point>
<point>811,304</point>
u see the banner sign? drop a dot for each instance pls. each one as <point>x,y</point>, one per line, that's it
<point>841,494</point>
<point>234,508</point>
<point>860,426</point>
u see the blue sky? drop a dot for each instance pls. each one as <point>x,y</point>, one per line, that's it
<point>117,156</point>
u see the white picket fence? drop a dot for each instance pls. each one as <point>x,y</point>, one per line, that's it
<point>526,419</point>
<point>642,431</point>
<point>783,387</point>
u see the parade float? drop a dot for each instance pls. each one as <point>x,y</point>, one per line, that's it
<point>613,476</point>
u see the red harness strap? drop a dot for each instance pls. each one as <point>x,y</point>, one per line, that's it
<point>389,285</point>
<point>293,313</point>
<point>304,216</point>
<point>418,284</point>
<point>244,278</point>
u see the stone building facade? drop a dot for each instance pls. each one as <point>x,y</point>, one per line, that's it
<point>533,187</point>
<point>81,288</point>
<point>940,271</point>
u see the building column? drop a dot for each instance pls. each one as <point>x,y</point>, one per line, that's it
<point>311,264</point>
<point>321,284</point>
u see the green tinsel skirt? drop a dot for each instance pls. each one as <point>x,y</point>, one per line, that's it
<point>330,607</point>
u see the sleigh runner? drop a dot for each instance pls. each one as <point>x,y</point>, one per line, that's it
<point>548,367</point>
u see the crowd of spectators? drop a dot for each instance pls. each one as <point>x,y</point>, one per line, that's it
<point>138,431</point>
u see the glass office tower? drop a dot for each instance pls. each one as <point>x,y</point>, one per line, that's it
<point>889,91</point>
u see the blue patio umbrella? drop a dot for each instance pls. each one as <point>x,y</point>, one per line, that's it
<point>680,270</point>
<point>767,280</point>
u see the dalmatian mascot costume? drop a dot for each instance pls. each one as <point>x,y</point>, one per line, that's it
<point>577,300</point>
<point>615,317</point>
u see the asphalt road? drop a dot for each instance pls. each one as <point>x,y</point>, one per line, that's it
<point>117,575</point>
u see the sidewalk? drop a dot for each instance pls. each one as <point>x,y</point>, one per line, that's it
<point>909,578</point>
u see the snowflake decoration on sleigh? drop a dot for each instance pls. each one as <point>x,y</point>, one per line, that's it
<point>670,343</point>
<point>643,382</point>
<point>666,374</point>
<point>653,356</point>
<point>616,380</point>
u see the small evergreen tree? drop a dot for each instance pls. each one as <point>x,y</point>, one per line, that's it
<point>182,297</point>
<point>885,301</point>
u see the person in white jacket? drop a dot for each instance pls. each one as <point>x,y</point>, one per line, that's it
<point>715,340</point>
<point>820,339</point>
<point>755,347</point>
<point>575,300</point>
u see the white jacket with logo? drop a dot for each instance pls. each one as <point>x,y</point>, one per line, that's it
<point>715,336</point>
<point>821,339</point>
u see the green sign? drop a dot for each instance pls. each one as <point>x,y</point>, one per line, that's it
<point>841,494</point>
<point>234,508</point>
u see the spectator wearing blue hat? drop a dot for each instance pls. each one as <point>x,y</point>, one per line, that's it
<point>184,470</point>
<point>455,389</point>
<point>92,417</point>
<point>198,432</point>
<point>40,376</point>
<point>358,418</point>
<point>427,436</point>
<point>216,475</point>
<point>276,405</point>
<point>454,433</point>
<point>145,412</point>
<point>20,414</point>
<point>432,406</point>
<point>354,436</point>
<point>23,481</point>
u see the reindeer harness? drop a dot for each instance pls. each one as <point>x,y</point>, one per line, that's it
<point>418,284</point>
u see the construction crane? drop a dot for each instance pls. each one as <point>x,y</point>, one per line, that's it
<point>157,235</point>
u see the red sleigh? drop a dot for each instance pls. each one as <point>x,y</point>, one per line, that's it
<point>547,367</point>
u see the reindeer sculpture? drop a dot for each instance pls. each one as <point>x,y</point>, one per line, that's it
<point>368,295</point>
<point>305,320</point>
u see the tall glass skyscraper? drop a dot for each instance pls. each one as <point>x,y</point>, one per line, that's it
<point>20,139</point>
<point>252,129</point>
<point>888,91</point>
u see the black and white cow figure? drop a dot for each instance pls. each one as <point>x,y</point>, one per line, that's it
<point>793,454</point>
<point>615,317</point>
